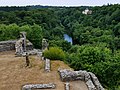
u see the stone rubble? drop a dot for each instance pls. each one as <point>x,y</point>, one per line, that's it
<point>33,52</point>
<point>90,79</point>
<point>39,54</point>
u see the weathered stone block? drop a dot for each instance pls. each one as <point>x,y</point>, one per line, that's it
<point>67,86</point>
<point>47,65</point>
<point>68,75</point>
<point>39,86</point>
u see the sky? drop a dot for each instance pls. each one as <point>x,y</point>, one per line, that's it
<point>58,2</point>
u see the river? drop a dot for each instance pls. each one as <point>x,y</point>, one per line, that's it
<point>68,38</point>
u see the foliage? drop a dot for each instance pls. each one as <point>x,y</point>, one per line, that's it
<point>12,31</point>
<point>35,35</point>
<point>74,49</point>
<point>96,37</point>
<point>54,53</point>
<point>99,60</point>
<point>64,45</point>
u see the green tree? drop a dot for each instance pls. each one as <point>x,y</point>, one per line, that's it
<point>35,35</point>
<point>116,30</point>
<point>64,45</point>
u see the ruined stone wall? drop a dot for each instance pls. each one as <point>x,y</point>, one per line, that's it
<point>90,79</point>
<point>10,45</point>
<point>7,45</point>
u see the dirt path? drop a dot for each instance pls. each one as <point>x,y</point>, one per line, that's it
<point>78,85</point>
<point>14,74</point>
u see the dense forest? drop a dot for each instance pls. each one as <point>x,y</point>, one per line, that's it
<point>96,36</point>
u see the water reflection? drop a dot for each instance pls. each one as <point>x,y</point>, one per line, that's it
<point>68,38</point>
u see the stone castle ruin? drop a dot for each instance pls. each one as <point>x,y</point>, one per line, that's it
<point>15,45</point>
<point>89,78</point>
<point>23,46</point>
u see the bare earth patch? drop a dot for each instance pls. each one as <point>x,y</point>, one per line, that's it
<point>14,74</point>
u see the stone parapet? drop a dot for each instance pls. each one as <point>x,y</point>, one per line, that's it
<point>7,45</point>
<point>10,45</point>
<point>90,79</point>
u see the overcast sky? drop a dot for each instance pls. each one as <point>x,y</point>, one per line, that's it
<point>58,2</point>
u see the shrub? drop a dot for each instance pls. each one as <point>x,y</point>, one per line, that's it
<point>54,53</point>
<point>12,31</point>
<point>74,49</point>
<point>98,60</point>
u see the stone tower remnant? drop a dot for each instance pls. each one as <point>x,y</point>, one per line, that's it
<point>21,44</point>
<point>44,44</point>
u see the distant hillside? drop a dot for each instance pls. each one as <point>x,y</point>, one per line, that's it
<point>19,8</point>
